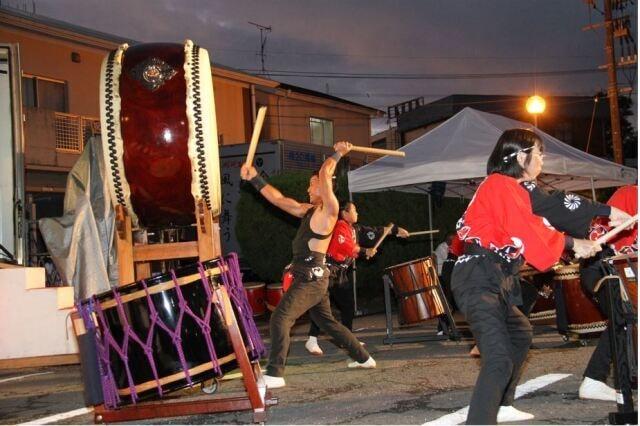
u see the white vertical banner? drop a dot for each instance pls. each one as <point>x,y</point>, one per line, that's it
<point>7,225</point>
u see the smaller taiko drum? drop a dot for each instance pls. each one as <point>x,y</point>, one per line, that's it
<point>545,306</point>
<point>274,295</point>
<point>626,266</point>
<point>417,289</point>
<point>255,292</point>
<point>583,315</point>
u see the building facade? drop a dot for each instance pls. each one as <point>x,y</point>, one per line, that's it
<point>60,68</point>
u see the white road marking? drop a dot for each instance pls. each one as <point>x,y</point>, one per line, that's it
<point>10,379</point>
<point>61,416</point>
<point>532,385</point>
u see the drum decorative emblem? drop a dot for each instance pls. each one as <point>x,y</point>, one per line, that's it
<point>153,73</point>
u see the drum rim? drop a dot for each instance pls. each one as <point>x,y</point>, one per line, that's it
<point>126,291</point>
<point>274,285</point>
<point>253,284</point>
<point>623,256</point>
<point>408,263</point>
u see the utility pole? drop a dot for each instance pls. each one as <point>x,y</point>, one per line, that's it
<point>615,28</point>
<point>612,88</point>
<point>263,40</point>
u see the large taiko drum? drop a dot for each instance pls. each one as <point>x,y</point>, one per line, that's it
<point>417,289</point>
<point>274,295</point>
<point>255,292</point>
<point>582,313</point>
<point>545,305</point>
<point>159,132</point>
<point>162,334</point>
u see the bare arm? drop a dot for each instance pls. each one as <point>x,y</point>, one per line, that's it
<point>325,177</point>
<point>274,196</point>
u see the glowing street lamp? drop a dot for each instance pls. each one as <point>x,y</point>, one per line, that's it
<point>535,105</point>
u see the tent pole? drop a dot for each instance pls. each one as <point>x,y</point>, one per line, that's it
<point>593,189</point>
<point>430,221</point>
<point>356,312</point>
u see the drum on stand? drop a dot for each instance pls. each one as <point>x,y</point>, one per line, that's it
<point>582,313</point>
<point>159,133</point>
<point>256,293</point>
<point>626,266</point>
<point>274,295</point>
<point>416,287</point>
<point>545,305</point>
<point>165,333</point>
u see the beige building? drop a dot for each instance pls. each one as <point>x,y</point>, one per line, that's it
<point>60,66</point>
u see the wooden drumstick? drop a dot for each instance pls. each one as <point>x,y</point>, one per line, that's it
<point>615,231</point>
<point>434,231</point>
<point>377,151</point>
<point>384,235</point>
<point>256,135</point>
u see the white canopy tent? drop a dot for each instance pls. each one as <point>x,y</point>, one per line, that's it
<point>457,150</point>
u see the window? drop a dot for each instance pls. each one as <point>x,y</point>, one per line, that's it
<point>38,92</point>
<point>380,143</point>
<point>321,131</point>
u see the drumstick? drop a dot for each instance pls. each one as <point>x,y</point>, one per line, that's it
<point>615,231</point>
<point>256,135</point>
<point>384,235</point>
<point>434,231</point>
<point>378,151</point>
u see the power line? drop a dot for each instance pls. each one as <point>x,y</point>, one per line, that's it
<point>456,57</point>
<point>402,76</point>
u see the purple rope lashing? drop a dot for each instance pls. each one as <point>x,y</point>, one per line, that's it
<point>232,280</point>
<point>110,390</point>
<point>147,346</point>
<point>111,341</point>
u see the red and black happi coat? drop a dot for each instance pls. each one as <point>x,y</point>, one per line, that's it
<point>625,199</point>
<point>500,218</point>
<point>343,247</point>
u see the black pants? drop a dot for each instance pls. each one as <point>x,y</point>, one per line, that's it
<point>341,297</point>
<point>307,295</point>
<point>599,364</point>
<point>502,332</point>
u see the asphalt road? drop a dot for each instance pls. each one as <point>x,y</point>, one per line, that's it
<point>413,384</point>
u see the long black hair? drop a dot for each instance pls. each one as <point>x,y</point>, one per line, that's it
<point>504,158</point>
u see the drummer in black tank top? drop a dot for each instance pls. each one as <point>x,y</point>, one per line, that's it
<point>308,292</point>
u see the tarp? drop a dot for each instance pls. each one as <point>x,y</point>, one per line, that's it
<point>81,242</point>
<point>457,150</point>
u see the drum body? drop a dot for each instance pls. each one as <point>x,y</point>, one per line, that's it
<point>256,293</point>
<point>274,295</point>
<point>417,290</point>
<point>626,266</point>
<point>164,333</point>
<point>582,313</point>
<point>159,132</point>
<point>545,306</point>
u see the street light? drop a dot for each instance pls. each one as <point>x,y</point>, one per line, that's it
<point>535,105</point>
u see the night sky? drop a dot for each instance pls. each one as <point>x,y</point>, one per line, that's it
<point>398,38</point>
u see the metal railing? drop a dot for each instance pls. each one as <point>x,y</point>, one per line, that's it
<point>73,131</point>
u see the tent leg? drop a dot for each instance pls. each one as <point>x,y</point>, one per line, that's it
<point>356,311</point>
<point>430,221</point>
<point>593,190</point>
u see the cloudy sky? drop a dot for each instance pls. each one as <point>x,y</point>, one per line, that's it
<point>430,48</point>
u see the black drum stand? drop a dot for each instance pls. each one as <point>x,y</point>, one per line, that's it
<point>622,325</point>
